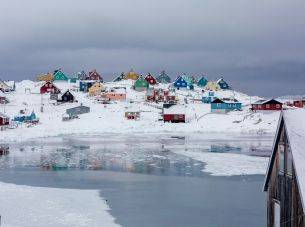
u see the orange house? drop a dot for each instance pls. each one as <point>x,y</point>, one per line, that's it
<point>112,96</point>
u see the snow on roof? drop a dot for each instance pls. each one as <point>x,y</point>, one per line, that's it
<point>175,109</point>
<point>295,125</point>
<point>264,101</point>
<point>3,115</point>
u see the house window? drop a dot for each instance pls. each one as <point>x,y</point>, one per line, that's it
<point>259,106</point>
<point>267,106</point>
<point>218,104</point>
<point>278,106</point>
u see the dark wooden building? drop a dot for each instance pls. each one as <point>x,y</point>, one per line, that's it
<point>67,97</point>
<point>49,87</point>
<point>285,178</point>
<point>268,105</point>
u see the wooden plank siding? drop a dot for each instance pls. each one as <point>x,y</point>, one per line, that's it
<point>283,187</point>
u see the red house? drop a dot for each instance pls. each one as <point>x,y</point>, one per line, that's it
<point>174,114</point>
<point>93,75</point>
<point>4,120</point>
<point>267,105</point>
<point>49,87</point>
<point>150,79</point>
<point>299,103</point>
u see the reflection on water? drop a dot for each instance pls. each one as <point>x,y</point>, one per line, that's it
<point>136,154</point>
<point>135,160</point>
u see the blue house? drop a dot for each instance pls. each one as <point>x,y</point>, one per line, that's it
<point>85,85</point>
<point>223,84</point>
<point>209,98</point>
<point>23,117</point>
<point>224,105</point>
<point>180,83</point>
<point>202,81</point>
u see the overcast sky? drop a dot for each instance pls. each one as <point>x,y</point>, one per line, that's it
<point>257,45</point>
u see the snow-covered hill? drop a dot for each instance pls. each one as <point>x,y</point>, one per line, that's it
<point>110,118</point>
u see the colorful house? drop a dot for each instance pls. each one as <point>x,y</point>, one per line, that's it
<point>60,76</point>
<point>174,114</point>
<point>120,77</point>
<point>73,79</point>
<point>131,75</point>
<point>82,75</point>
<point>113,96</point>
<point>150,79</point>
<point>223,84</point>
<point>25,117</point>
<point>163,78</point>
<point>49,87</point>
<point>4,119</point>
<point>85,85</point>
<point>132,115</point>
<point>210,97</point>
<point>225,106</point>
<point>67,97</point>
<point>93,75</point>
<point>190,80</point>
<point>202,82</point>
<point>180,83</point>
<point>141,84</point>
<point>267,105</point>
<point>285,179</point>
<point>96,89</point>
<point>45,77</point>
<point>212,86</point>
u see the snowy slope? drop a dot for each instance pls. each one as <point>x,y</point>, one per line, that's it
<point>110,118</point>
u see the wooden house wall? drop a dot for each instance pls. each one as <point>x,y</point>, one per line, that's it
<point>283,189</point>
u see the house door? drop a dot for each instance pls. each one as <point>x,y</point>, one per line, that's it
<point>277,215</point>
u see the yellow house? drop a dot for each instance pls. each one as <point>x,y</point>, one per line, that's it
<point>132,75</point>
<point>45,77</point>
<point>212,86</point>
<point>96,89</point>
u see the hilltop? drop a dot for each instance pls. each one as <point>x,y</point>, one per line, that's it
<point>109,118</point>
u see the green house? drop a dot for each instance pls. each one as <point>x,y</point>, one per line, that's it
<point>163,78</point>
<point>190,80</point>
<point>202,82</point>
<point>60,76</point>
<point>141,84</point>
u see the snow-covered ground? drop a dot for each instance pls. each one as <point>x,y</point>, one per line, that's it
<point>110,118</point>
<point>25,206</point>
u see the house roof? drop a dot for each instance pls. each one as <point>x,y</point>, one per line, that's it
<point>269,101</point>
<point>2,115</point>
<point>225,101</point>
<point>175,109</point>
<point>294,123</point>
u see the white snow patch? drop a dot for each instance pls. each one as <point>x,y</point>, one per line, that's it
<point>228,164</point>
<point>26,206</point>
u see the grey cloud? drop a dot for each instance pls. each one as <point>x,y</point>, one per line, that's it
<point>243,39</point>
